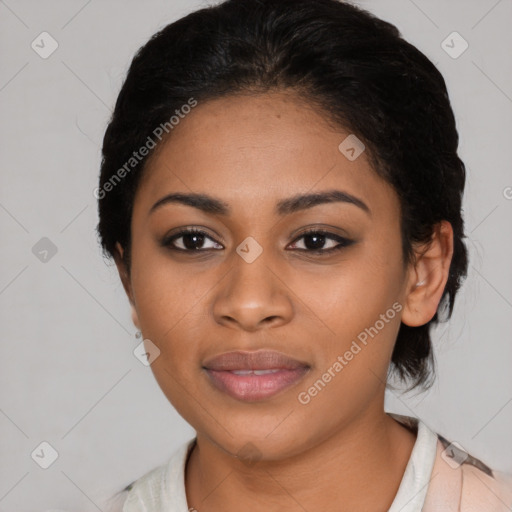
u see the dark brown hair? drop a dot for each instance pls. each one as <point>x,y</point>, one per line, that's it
<point>341,58</point>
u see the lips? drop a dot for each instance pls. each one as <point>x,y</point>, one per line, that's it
<point>260,360</point>
<point>252,376</point>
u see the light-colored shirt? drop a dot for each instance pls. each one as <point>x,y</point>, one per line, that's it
<point>439,477</point>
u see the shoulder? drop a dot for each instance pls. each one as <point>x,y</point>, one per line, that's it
<point>485,492</point>
<point>162,488</point>
<point>461,482</point>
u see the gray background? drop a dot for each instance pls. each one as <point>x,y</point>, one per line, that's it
<point>68,375</point>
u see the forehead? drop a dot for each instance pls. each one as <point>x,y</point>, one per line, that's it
<point>249,147</point>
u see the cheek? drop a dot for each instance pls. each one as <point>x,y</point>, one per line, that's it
<point>359,302</point>
<point>165,292</point>
<point>169,309</point>
<point>352,294</point>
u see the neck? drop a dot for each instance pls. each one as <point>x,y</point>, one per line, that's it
<point>358,468</point>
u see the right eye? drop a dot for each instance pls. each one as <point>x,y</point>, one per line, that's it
<point>192,241</point>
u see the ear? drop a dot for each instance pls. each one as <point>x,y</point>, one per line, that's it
<point>428,276</point>
<point>125,279</point>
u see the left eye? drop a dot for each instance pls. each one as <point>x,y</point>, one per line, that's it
<point>193,240</point>
<point>315,240</point>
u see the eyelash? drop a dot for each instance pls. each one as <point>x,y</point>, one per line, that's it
<point>343,242</point>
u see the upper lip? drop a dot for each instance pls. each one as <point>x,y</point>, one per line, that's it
<point>260,360</point>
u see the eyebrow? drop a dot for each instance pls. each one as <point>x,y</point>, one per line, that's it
<point>214,206</point>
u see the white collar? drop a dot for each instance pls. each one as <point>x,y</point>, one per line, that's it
<point>413,488</point>
<point>163,488</point>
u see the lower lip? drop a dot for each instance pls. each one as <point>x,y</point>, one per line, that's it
<point>255,387</point>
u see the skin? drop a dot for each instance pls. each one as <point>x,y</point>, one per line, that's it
<point>340,451</point>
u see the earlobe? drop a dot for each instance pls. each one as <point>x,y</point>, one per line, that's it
<point>428,277</point>
<point>125,279</point>
<point>135,317</point>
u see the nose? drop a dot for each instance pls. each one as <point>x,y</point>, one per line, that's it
<point>253,296</point>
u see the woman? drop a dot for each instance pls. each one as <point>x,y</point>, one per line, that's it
<point>281,192</point>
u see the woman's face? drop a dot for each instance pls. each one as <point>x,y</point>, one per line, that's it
<point>256,281</point>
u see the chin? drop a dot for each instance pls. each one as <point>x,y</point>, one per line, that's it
<point>251,446</point>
